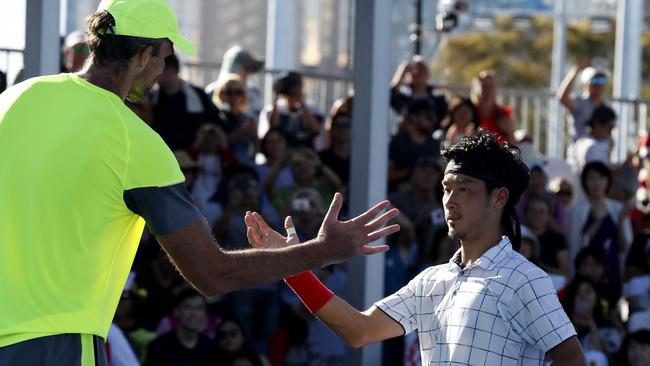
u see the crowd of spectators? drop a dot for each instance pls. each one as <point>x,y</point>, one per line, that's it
<point>588,225</point>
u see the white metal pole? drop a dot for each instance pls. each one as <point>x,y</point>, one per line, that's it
<point>554,141</point>
<point>281,44</point>
<point>627,67</point>
<point>42,50</point>
<point>369,151</point>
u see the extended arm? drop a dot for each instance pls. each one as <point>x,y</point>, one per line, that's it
<point>212,270</point>
<point>358,328</point>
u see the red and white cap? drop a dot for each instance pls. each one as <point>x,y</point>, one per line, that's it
<point>644,145</point>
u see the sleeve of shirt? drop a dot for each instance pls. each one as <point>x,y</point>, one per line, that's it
<point>537,314</point>
<point>154,184</point>
<point>598,152</point>
<point>398,101</point>
<point>165,209</point>
<point>402,305</point>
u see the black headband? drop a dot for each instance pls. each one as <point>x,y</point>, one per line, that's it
<point>475,172</point>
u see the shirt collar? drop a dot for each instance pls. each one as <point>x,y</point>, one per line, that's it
<point>488,259</point>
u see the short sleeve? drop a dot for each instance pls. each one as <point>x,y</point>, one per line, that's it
<point>536,313</point>
<point>150,162</point>
<point>402,305</point>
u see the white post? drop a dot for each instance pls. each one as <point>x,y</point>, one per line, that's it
<point>627,66</point>
<point>554,141</point>
<point>369,151</point>
<point>42,46</point>
<point>281,44</point>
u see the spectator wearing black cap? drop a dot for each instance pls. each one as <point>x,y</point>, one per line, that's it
<point>414,140</point>
<point>291,113</point>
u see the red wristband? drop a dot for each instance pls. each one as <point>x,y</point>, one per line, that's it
<point>311,291</point>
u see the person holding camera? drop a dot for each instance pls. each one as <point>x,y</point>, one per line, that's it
<point>411,83</point>
<point>290,113</point>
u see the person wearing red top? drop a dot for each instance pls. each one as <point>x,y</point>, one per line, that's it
<point>492,116</point>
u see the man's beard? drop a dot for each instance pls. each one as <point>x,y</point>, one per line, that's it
<point>139,92</point>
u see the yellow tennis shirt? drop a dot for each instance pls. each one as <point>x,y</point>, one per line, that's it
<point>68,152</point>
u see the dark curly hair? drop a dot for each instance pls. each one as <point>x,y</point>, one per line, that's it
<point>108,49</point>
<point>499,165</point>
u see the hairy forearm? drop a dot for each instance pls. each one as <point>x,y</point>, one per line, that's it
<point>213,271</point>
<point>242,268</point>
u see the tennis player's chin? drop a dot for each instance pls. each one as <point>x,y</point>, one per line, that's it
<point>454,234</point>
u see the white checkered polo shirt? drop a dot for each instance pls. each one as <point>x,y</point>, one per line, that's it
<point>501,310</point>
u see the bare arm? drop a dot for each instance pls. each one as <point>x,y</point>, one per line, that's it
<point>212,270</point>
<point>564,91</point>
<point>568,352</point>
<point>399,75</point>
<point>358,328</point>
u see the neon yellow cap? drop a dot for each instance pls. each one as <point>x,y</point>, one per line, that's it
<point>147,19</point>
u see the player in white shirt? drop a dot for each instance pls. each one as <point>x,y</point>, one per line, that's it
<point>488,305</point>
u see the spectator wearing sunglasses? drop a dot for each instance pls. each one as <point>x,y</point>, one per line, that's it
<point>594,83</point>
<point>75,51</point>
<point>240,127</point>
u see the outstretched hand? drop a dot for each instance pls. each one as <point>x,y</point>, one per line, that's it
<point>261,235</point>
<point>338,240</point>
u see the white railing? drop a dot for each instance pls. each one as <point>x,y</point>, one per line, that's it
<point>532,108</point>
<point>11,61</point>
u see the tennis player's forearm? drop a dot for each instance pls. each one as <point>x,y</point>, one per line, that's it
<point>243,268</point>
<point>347,322</point>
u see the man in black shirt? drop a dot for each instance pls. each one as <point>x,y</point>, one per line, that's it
<point>179,108</point>
<point>185,345</point>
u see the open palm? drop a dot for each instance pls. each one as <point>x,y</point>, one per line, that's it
<point>261,235</point>
<point>338,240</point>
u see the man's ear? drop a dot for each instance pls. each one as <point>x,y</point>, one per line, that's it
<point>500,197</point>
<point>142,58</point>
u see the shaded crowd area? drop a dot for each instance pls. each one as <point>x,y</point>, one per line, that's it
<point>586,218</point>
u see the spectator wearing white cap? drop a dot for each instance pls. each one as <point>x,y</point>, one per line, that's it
<point>238,60</point>
<point>635,350</point>
<point>75,51</point>
<point>594,82</point>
